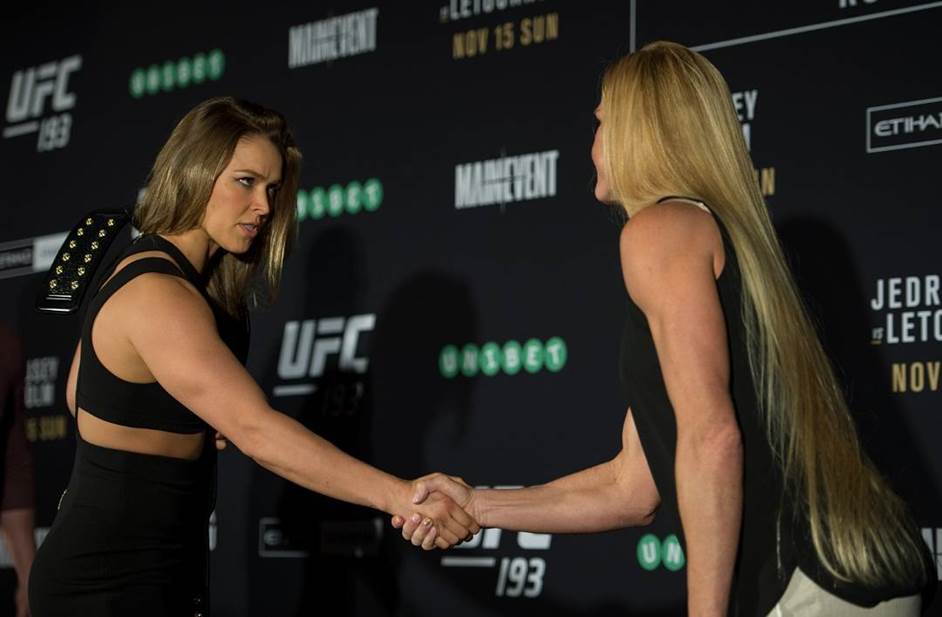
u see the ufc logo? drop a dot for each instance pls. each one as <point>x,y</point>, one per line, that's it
<point>307,344</point>
<point>32,87</point>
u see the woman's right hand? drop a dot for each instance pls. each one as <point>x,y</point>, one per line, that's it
<point>429,489</point>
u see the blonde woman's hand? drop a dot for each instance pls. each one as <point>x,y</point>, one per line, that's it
<point>415,528</point>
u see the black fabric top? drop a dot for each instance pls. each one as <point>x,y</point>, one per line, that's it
<point>145,405</point>
<point>773,537</point>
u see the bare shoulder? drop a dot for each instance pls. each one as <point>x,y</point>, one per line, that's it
<point>156,296</point>
<point>669,244</point>
<point>672,228</point>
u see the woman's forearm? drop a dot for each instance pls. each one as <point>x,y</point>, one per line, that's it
<point>284,446</point>
<point>709,495</point>
<point>594,499</point>
<point>18,532</point>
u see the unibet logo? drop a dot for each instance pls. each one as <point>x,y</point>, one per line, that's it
<point>511,357</point>
<point>653,553</point>
<point>177,73</point>
<point>336,199</point>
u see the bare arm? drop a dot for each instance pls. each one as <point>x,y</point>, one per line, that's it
<point>179,344</point>
<point>668,256</point>
<point>614,494</point>
<point>17,527</point>
<point>72,381</point>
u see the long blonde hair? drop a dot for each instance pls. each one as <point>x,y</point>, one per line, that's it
<point>669,128</point>
<point>181,182</point>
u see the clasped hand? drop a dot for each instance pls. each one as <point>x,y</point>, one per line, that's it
<point>444,513</point>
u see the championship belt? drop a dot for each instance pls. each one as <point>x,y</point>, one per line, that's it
<point>81,254</point>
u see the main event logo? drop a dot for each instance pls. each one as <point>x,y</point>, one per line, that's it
<point>332,38</point>
<point>504,180</point>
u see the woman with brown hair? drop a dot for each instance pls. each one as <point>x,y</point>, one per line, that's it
<point>158,370</point>
<point>735,417</point>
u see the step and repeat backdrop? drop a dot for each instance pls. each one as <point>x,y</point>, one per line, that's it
<point>455,300</point>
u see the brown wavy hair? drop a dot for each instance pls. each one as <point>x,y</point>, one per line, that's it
<point>181,182</point>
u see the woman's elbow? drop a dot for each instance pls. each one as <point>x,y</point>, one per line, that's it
<point>719,446</point>
<point>639,504</point>
<point>643,517</point>
<point>250,437</point>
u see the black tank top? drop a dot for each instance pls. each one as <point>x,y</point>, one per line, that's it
<point>774,538</point>
<point>145,405</point>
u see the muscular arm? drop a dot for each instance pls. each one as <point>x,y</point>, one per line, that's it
<point>17,524</point>
<point>614,494</point>
<point>18,498</point>
<point>617,493</point>
<point>72,381</point>
<point>179,344</point>
<point>669,256</point>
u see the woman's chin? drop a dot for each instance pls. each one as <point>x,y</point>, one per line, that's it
<point>603,195</point>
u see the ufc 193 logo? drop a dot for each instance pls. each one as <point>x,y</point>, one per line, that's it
<point>517,576</point>
<point>325,356</point>
<point>35,89</point>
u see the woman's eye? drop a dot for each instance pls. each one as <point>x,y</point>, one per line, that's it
<point>246,181</point>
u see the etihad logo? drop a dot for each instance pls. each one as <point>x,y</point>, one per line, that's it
<point>173,74</point>
<point>511,357</point>
<point>36,91</point>
<point>308,345</point>
<point>933,538</point>
<point>463,9</point>
<point>336,200</point>
<point>332,38</point>
<point>904,125</point>
<point>506,180</point>
<point>652,552</point>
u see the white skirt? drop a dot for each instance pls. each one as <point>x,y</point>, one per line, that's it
<point>804,598</point>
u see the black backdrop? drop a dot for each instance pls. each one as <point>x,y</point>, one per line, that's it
<point>430,321</point>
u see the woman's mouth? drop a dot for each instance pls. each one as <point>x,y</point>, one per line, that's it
<point>249,229</point>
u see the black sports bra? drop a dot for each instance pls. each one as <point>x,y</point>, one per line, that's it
<point>144,405</point>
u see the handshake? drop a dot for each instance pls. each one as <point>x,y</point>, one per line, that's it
<point>444,512</point>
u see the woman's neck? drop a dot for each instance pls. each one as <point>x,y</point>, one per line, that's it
<point>196,246</point>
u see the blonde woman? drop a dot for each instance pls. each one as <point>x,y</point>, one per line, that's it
<point>158,370</point>
<point>734,413</point>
